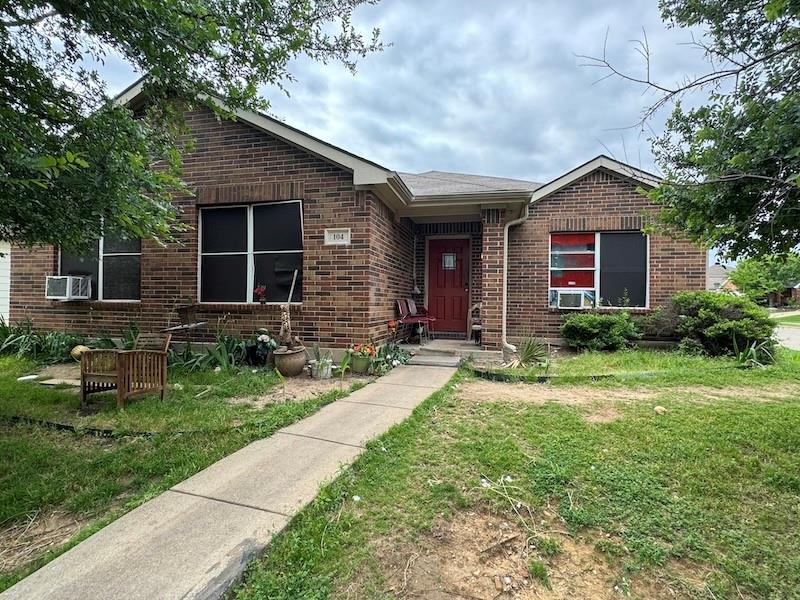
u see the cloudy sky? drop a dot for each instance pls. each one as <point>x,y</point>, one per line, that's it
<point>490,88</point>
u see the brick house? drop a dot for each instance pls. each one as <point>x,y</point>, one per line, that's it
<point>270,199</point>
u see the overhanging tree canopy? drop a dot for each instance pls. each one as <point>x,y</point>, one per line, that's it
<point>72,162</point>
<point>732,164</point>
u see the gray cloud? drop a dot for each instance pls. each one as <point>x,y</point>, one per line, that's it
<point>488,87</point>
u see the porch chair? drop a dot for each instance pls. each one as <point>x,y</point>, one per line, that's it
<point>410,314</point>
<point>142,370</point>
<point>474,326</point>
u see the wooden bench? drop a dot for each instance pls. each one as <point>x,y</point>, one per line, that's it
<point>142,370</point>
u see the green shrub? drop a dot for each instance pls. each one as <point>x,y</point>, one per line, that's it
<point>47,347</point>
<point>720,322</point>
<point>691,346</point>
<point>600,331</point>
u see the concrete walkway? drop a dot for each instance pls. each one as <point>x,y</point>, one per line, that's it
<point>195,540</point>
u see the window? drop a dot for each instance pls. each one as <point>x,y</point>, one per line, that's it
<point>113,265</point>
<point>587,269</point>
<point>247,246</point>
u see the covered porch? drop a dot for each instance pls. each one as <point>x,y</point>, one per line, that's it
<point>459,226</point>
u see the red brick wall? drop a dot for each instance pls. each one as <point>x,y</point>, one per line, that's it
<point>390,266</point>
<point>493,221</point>
<point>234,163</point>
<point>600,201</point>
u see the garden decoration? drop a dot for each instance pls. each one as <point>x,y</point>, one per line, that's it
<point>290,356</point>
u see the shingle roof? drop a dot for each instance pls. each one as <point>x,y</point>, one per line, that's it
<point>437,183</point>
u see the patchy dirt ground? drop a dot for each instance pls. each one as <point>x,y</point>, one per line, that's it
<point>25,542</point>
<point>479,556</point>
<point>480,390</point>
<point>70,370</point>
<point>299,388</point>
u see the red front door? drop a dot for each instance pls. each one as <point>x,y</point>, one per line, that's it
<point>448,283</point>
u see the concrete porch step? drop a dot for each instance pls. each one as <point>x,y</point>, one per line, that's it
<point>435,360</point>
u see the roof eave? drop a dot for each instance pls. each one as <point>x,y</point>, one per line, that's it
<point>600,162</point>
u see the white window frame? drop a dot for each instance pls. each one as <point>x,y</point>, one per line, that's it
<point>596,269</point>
<point>100,256</point>
<point>249,252</point>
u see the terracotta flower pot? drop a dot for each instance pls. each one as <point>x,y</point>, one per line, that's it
<point>360,364</point>
<point>290,363</point>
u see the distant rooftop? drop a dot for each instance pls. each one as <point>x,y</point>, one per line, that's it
<point>437,183</point>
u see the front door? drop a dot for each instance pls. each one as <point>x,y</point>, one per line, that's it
<point>448,283</point>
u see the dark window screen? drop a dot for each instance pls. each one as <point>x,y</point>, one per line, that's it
<point>277,227</point>
<point>121,277</point>
<point>224,278</point>
<point>623,269</point>
<point>114,245</point>
<point>85,264</point>
<point>275,271</point>
<point>225,229</point>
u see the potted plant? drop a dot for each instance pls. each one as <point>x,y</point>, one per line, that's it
<point>187,311</point>
<point>321,365</point>
<point>361,357</point>
<point>259,352</point>
<point>290,356</point>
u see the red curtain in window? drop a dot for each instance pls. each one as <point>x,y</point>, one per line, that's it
<point>572,242</point>
<point>576,279</point>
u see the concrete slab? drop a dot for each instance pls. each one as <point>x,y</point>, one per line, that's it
<point>425,360</point>
<point>348,422</point>
<point>281,473</point>
<point>174,546</point>
<point>789,336</point>
<point>420,376</point>
<point>71,382</point>
<point>391,395</point>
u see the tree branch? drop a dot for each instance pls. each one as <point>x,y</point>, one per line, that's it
<point>30,20</point>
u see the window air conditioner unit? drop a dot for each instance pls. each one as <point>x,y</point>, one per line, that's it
<point>68,287</point>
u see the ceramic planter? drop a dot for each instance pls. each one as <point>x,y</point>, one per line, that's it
<point>290,363</point>
<point>360,364</point>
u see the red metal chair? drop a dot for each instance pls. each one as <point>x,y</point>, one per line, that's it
<point>410,314</point>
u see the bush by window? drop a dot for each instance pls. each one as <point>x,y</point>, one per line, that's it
<point>595,331</point>
<point>720,322</point>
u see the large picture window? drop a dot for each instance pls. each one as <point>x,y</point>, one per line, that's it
<point>598,269</point>
<point>242,247</point>
<point>114,266</point>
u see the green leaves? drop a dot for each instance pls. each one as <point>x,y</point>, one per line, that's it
<point>71,160</point>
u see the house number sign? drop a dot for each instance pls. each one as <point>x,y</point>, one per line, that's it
<point>337,237</point>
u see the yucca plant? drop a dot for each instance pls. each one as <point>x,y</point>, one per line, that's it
<point>530,352</point>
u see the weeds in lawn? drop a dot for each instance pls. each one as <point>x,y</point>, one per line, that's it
<point>538,571</point>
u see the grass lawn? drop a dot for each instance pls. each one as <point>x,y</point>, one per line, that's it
<point>500,490</point>
<point>790,320</point>
<point>57,487</point>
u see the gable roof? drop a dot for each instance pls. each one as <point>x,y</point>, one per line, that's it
<point>365,172</point>
<point>442,183</point>
<point>601,162</point>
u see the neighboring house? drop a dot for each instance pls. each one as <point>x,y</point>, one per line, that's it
<point>271,199</point>
<point>5,279</point>
<point>716,276</point>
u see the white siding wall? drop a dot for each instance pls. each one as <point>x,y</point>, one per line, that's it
<point>5,278</point>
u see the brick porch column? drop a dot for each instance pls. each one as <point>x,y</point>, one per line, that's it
<point>492,221</point>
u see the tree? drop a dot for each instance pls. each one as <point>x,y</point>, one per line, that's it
<point>759,277</point>
<point>731,165</point>
<point>73,162</point>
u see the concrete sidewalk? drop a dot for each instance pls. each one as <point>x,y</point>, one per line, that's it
<point>195,540</point>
